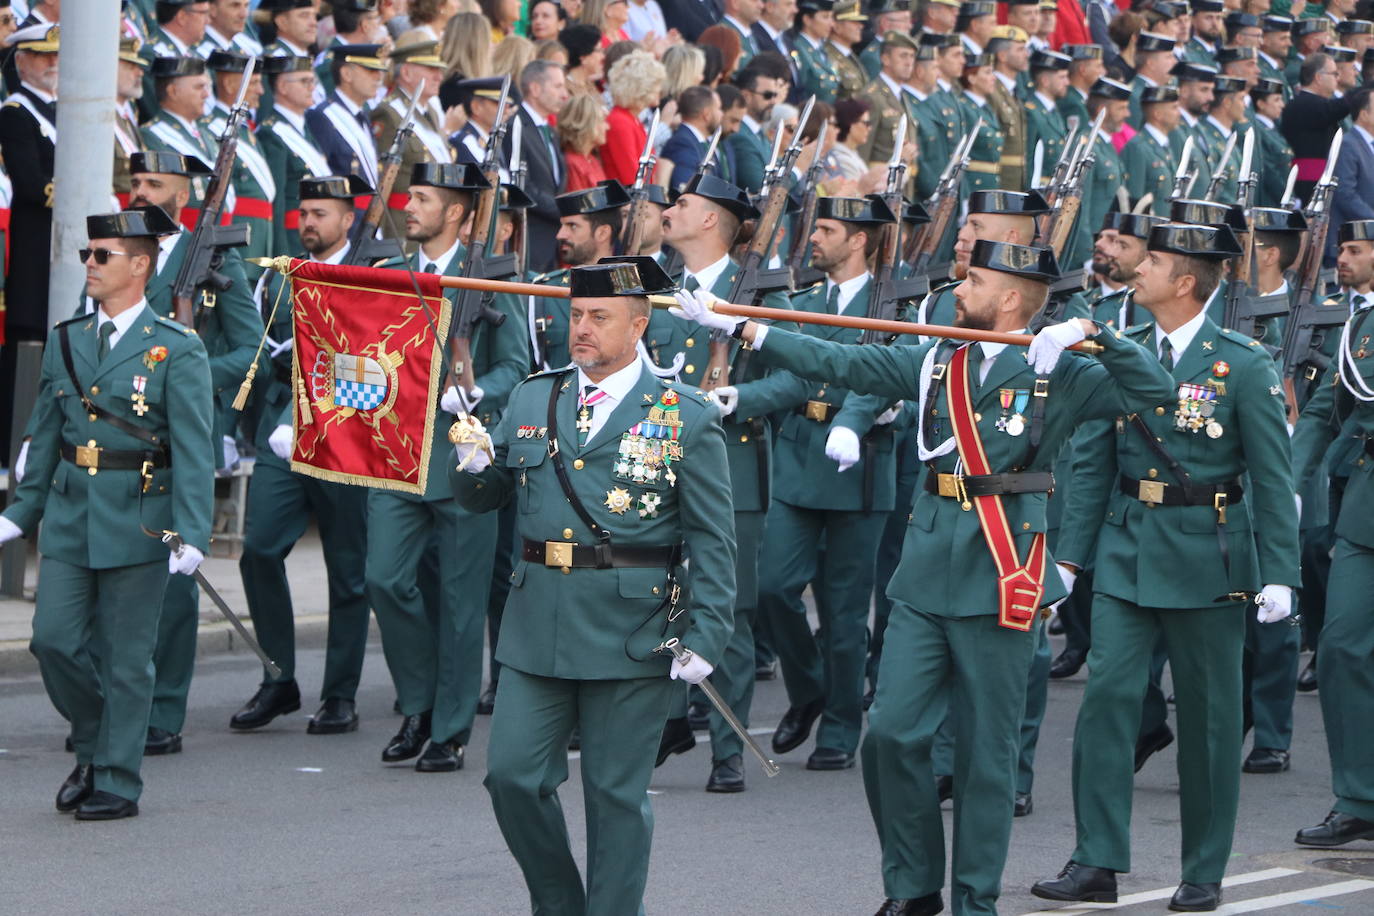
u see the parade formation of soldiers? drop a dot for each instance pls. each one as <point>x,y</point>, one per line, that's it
<point>1140,248</point>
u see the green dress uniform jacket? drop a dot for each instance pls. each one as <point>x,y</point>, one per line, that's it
<point>128,140</point>
<point>751,156</point>
<point>1100,191</point>
<point>984,165</point>
<point>291,154</point>
<point>1274,158</point>
<point>1137,116</point>
<point>1011,115</point>
<point>848,70</point>
<point>1074,107</point>
<point>817,73</point>
<point>1200,166</point>
<point>550,320</point>
<point>1197,52</point>
<point>1274,71</point>
<point>168,132</point>
<point>871,60</point>
<point>1149,167</point>
<point>1044,125</point>
<point>1216,145</point>
<point>255,191</point>
<point>932,145</point>
<point>886,110</point>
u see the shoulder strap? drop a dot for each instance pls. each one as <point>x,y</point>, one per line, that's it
<point>555,456</point>
<point>95,409</point>
<point>943,350</point>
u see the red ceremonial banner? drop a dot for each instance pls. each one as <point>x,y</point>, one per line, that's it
<point>366,370</point>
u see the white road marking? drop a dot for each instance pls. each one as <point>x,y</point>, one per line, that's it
<point>1312,893</point>
<point>1165,893</point>
<point>309,769</point>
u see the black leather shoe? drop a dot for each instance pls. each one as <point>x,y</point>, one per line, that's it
<point>1083,883</point>
<point>1067,664</point>
<point>409,741</point>
<point>270,701</point>
<point>699,716</point>
<point>334,717</point>
<point>1337,830</point>
<point>575,739</point>
<point>944,788</point>
<point>487,701</point>
<point>441,757</point>
<point>766,672</point>
<point>928,905</point>
<point>106,806</point>
<point>1266,760</point>
<point>1024,805</point>
<point>727,775</point>
<point>1152,744</point>
<point>77,788</point>
<point>1307,681</point>
<point>825,758</point>
<point>795,726</point>
<point>1055,627</point>
<point>677,739</point>
<point>160,741</point>
<point>1196,898</point>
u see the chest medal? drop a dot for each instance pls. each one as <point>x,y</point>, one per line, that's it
<point>1013,418</point>
<point>1196,406</point>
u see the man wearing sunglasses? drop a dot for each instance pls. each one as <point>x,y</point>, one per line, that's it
<point>760,88</point>
<point>120,453</point>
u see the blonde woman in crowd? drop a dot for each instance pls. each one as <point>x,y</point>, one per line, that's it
<point>510,56</point>
<point>609,16</point>
<point>431,16</point>
<point>685,66</point>
<point>503,15</point>
<point>582,130</point>
<point>466,46</point>
<point>552,49</point>
<point>635,82</point>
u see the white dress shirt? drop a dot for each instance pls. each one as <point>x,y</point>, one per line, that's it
<point>122,322</point>
<point>616,386</point>
<point>1180,337</point>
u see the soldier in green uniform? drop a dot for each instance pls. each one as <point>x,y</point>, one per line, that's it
<point>1226,115</point>
<point>751,149</point>
<point>1276,43</point>
<point>287,144</point>
<point>415,67</point>
<point>975,24</point>
<point>1011,59</point>
<point>888,16</point>
<point>1242,62</point>
<point>884,97</point>
<point>955,639</point>
<point>1310,36</point>
<point>617,475</point>
<point>128,138</point>
<point>1273,155</point>
<point>1171,484</point>
<point>1148,160</point>
<point>844,37</point>
<point>1046,129</point>
<point>1208,31</point>
<point>977,84</point>
<point>1103,188</point>
<point>1084,72</point>
<point>254,187</point>
<point>1195,93</point>
<point>120,453</point>
<point>931,130</point>
<point>1154,57</point>
<point>816,74</point>
<point>281,503</point>
<point>435,654</point>
<point>178,31</point>
<point>182,89</point>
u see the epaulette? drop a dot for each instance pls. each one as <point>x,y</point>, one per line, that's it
<point>82,316</point>
<point>12,103</point>
<point>548,372</point>
<point>175,326</point>
<point>1139,328</point>
<point>949,284</point>
<point>549,275</point>
<point>1332,300</point>
<point>806,289</point>
<point>1239,339</point>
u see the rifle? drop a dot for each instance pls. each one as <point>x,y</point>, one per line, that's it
<point>1061,220</point>
<point>752,280</point>
<point>800,273</point>
<point>1055,185</point>
<point>365,248</point>
<point>1240,289</point>
<point>209,240</point>
<point>639,194</point>
<point>473,306</point>
<point>887,299</point>
<point>673,267</point>
<point>921,245</point>
<point>1219,176</point>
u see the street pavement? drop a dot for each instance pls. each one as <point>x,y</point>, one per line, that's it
<point>281,822</point>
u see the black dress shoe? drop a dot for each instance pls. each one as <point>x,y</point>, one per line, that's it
<point>106,806</point>
<point>1079,882</point>
<point>487,701</point>
<point>699,716</point>
<point>1067,664</point>
<point>1196,898</point>
<point>409,741</point>
<point>1151,744</point>
<point>766,672</point>
<point>77,788</point>
<point>677,739</point>
<point>1337,830</point>
<point>944,788</point>
<point>1266,760</point>
<point>160,741</point>
<point>795,726</point>
<point>270,701</point>
<point>441,757</point>
<point>928,905</point>
<point>825,758</point>
<point>334,717</point>
<point>727,775</point>
<point>1055,626</point>
<point>1307,681</point>
<point>1024,805</point>
<point>575,739</point>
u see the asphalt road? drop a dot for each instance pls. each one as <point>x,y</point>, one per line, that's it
<point>285,823</point>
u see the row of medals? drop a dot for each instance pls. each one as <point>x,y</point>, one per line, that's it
<point>1196,404</point>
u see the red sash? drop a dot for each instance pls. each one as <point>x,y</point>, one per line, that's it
<point>1020,586</point>
<point>253,208</point>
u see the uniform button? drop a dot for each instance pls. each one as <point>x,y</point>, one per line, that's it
<point>95,389</point>
<point>1153,473</point>
<point>978,418</point>
<point>91,471</point>
<point>690,368</point>
<point>691,341</point>
<point>566,570</point>
<point>1025,526</point>
<point>744,438</point>
<point>578,464</point>
<point>567,532</point>
<point>655,589</point>
<point>522,459</point>
<point>1159,411</point>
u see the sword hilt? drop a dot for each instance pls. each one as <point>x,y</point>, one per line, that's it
<point>680,652</point>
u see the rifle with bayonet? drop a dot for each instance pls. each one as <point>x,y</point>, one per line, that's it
<point>801,274</point>
<point>1054,186</point>
<point>209,240</point>
<point>520,237</point>
<point>1246,311</point>
<point>639,192</point>
<point>889,296</point>
<point>673,267</point>
<point>1219,176</point>
<point>943,206</point>
<point>1060,221</point>
<point>365,248</point>
<point>1183,179</point>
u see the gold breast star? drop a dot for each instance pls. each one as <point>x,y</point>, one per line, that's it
<point>618,500</point>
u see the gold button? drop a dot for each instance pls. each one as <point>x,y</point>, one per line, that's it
<point>1159,411</point>
<point>691,341</point>
<point>578,464</point>
<point>162,489</point>
<point>655,589</point>
<point>978,418</point>
<point>91,471</point>
<point>744,438</point>
<point>566,570</point>
<point>567,533</point>
<point>1025,526</point>
<point>690,368</point>
<point>95,389</point>
<point>1153,473</point>
<point>90,443</point>
<point>91,417</point>
<point>522,459</point>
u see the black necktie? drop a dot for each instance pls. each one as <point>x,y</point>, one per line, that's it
<point>832,301</point>
<point>430,268</point>
<point>1166,355</point>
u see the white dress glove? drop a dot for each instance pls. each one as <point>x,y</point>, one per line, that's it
<point>472,445</point>
<point>727,399</point>
<point>184,560</point>
<point>1050,342</point>
<point>1068,577</point>
<point>696,306</point>
<point>282,440</point>
<point>695,671</point>
<point>459,402</point>
<point>842,447</point>
<point>20,460</point>
<point>8,530</point>
<point>889,415</point>
<point>231,451</point>
<point>1275,602</point>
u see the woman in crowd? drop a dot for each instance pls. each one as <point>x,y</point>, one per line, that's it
<point>466,46</point>
<point>609,16</point>
<point>685,66</point>
<point>510,56</point>
<point>546,20</point>
<point>645,22</point>
<point>582,130</point>
<point>635,82</point>
<point>552,49</point>
<point>502,14</point>
<point>852,124</point>
<point>431,16</point>
<point>725,40</point>
<point>585,57</point>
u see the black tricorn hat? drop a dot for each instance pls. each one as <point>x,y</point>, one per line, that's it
<point>1356,230</point>
<point>867,210</point>
<point>1273,22</point>
<point>623,276</point>
<point>1187,71</point>
<point>1339,54</point>
<point>1106,88</point>
<point>135,223</point>
<point>513,198</point>
<point>1355,27</point>
<point>1152,94</point>
<point>936,40</point>
<point>1303,27</point>
<point>286,63</point>
<point>607,195</point>
<point>166,68</point>
<point>1049,60</point>
<point>1265,87</point>
<point>282,6</point>
<point>913,214</point>
<point>334,187</point>
<point>1083,52</point>
<point>1030,262</point>
<point>718,191</point>
<point>1170,9</point>
<point>1277,219</point>
<point>1224,84</point>
<point>456,176</point>
<point>1211,243</point>
<point>971,9</point>
<point>1207,6</point>
<point>1207,213</point>
<point>1136,225</point>
<point>1234,53</point>
<point>1014,203</point>
<point>986,59</point>
<point>165,162</point>
<point>655,194</point>
<point>1149,41</point>
<point>354,6</point>
<point>1239,19</point>
<point>228,61</point>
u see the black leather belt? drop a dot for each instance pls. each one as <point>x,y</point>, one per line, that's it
<point>1159,493</point>
<point>954,486</point>
<point>108,459</point>
<point>598,556</point>
<point>820,411</point>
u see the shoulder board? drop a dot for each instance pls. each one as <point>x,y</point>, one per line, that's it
<point>948,285</point>
<point>548,373</point>
<point>72,320</point>
<point>1236,337</point>
<point>1333,300</point>
<point>1136,330</point>
<point>388,262</point>
<point>550,275</point>
<point>179,328</point>
<point>12,103</point>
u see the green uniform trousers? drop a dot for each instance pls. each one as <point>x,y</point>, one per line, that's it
<point>1270,678</point>
<point>976,671</point>
<point>506,546</point>
<point>733,676</point>
<point>1345,678</point>
<point>1037,699</point>
<point>93,636</point>
<point>621,722</point>
<point>831,666</point>
<point>1204,648</point>
<point>174,659</point>
<point>280,504</point>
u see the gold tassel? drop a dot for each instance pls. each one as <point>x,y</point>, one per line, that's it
<point>303,403</point>
<point>283,266</point>
<point>241,399</point>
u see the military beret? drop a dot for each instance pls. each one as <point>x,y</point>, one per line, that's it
<point>722,193</point>
<point>1030,262</point>
<point>1106,88</point>
<point>621,276</point>
<point>608,195</point>
<point>334,187</point>
<point>1277,219</point>
<point>455,176</point>
<point>1014,203</point>
<point>1210,243</point>
<point>165,162</point>
<point>1356,230</point>
<point>864,210</point>
<point>1149,41</point>
<point>166,68</point>
<point>134,223</point>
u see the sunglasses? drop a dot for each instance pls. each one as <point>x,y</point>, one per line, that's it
<point>101,255</point>
<point>767,95</point>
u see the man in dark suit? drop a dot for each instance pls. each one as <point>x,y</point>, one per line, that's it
<point>545,91</point>
<point>692,17</point>
<point>700,111</point>
<point>339,124</point>
<point>1310,120</point>
<point>1354,168</point>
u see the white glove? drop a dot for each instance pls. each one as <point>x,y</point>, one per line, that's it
<point>842,447</point>
<point>696,306</point>
<point>1275,602</point>
<point>471,444</point>
<point>282,440</point>
<point>20,460</point>
<point>1050,342</point>
<point>8,530</point>
<point>727,399</point>
<point>459,402</point>
<point>889,415</point>
<point>184,560</point>
<point>695,671</point>
<point>1297,501</point>
<point>1068,577</point>
<point>231,451</point>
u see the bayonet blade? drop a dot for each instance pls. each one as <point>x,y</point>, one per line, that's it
<point>517,133</point>
<point>501,106</point>
<point>1333,156</point>
<point>1184,159</point>
<point>1226,152</point>
<point>802,120</point>
<point>1247,155</point>
<point>243,84</point>
<point>1287,198</point>
<point>898,141</point>
<point>1039,163</point>
<point>777,151</point>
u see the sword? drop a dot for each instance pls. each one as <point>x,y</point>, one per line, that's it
<point>683,656</point>
<point>174,541</point>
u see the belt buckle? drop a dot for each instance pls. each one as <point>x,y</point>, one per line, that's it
<point>87,456</point>
<point>1219,504</point>
<point>558,553</point>
<point>816,410</point>
<point>948,485</point>
<point>1152,492</point>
